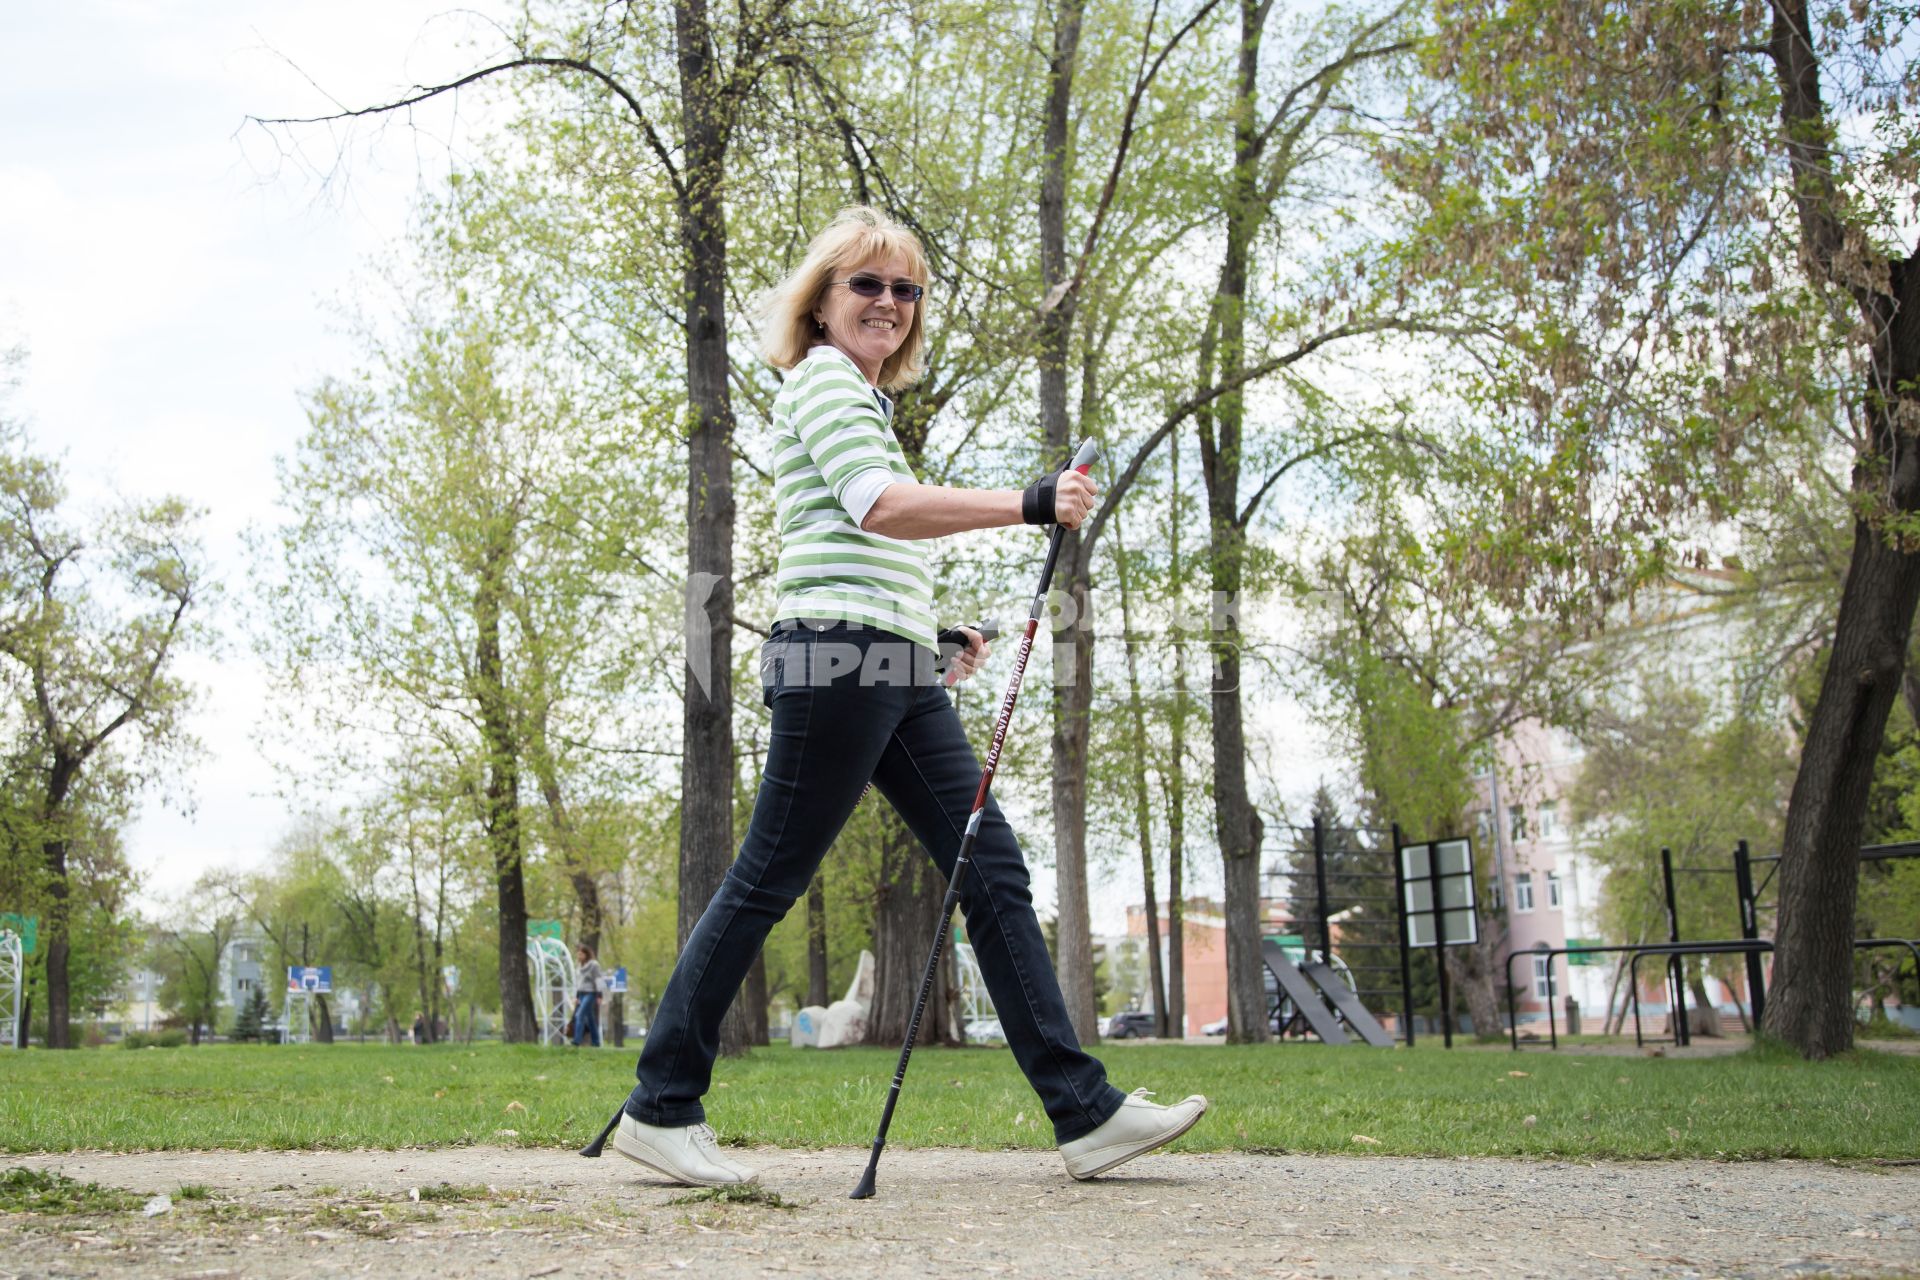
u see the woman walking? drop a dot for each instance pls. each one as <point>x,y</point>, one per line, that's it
<point>586,998</point>
<point>848,673</point>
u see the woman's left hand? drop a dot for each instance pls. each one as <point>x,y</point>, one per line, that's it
<point>969,659</point>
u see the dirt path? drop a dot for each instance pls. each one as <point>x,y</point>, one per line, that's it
<point>512,1213</point>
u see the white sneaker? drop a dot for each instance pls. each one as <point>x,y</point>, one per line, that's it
<point>1135,1129</point>
<point>688,1154</point>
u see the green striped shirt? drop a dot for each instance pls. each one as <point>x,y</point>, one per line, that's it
<point>828,428</point>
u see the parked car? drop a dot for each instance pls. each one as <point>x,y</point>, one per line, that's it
<point>1131,1025</point>
<point>1215,1028</point>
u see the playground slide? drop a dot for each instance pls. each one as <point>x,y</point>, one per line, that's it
<point>1305,996</point>
<point>1348,1004</point>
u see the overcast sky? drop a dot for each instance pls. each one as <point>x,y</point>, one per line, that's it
<point>168,270</point>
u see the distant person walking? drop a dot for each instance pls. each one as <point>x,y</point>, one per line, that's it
<point>586,997</point>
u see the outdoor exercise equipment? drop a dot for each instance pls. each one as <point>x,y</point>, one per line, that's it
<point>1749,893</point>
<point>13,975</point>
<point>554,975</point>
<point>1083,461</point>
<point>1368,972</point>
<point>1313,992</point>
<point>1749,945</point>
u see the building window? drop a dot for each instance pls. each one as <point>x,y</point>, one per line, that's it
<point>1542,977</point>
<point>1499,894</point>
<point>1517,822</point>
<point>243,985</point>
<point>1553,888</point>
<point>1482,823</point>
<point>1523,891</point>
<point>1549,821</point>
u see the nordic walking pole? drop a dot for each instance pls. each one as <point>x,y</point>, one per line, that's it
<point>1083,460</point>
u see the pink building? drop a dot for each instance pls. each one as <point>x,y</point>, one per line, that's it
<point>1551,894</point>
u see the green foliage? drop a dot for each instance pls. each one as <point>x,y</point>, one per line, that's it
<point>250,1022</point>
<point>1672,770</point>
<point>168,1039</point>
<point>98,607</point>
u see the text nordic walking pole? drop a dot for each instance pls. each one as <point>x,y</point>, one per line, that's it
<point>1083,460</point>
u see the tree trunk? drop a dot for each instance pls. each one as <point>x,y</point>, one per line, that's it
<point>586,890</point>
<point>1174,781</point>
<point>1142,805</point>
<point>817,993</point>
<point>1811,1004</point>
<point>1704,1020</point>
<point>1072,726</point>
<point>421,973</point>
<point>53,817</point>
<point>1072,688</point>
<point>906,913</point>
<point>1238,827</point>
<point>754,998</point>
<point>502,819</point>
<point>706,764</point>
<point>1472,970</point>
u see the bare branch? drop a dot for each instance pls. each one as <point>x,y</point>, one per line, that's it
<point>423,93</point>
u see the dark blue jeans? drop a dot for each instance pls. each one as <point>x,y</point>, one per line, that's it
<point>586,1017</point>
<point>852,705</point>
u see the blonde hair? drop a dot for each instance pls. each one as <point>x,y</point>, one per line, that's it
<point>857,234</point>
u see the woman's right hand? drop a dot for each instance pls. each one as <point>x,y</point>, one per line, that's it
<point>1073,499</point>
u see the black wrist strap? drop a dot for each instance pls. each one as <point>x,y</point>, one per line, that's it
<point>1036,504</point>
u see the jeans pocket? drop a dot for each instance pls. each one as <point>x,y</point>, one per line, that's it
<point>783,662</point>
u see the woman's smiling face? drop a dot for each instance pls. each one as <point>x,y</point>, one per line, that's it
<point>867,329</point>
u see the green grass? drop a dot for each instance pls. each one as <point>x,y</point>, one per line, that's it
<point>38,1191</point>
<point>453,1193</point>
<point>748,1193</point>
<point>1271,1098</point>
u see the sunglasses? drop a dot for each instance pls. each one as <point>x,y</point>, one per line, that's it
<point>872,287</point>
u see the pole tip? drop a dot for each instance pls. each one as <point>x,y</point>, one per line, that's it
<point>592,1150</point>
<point>865,1190</point>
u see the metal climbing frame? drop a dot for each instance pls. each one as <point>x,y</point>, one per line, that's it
<point>13,984</point>
<point>554,974</point>
<point>1749,893</point>
<point>976,1005</point>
